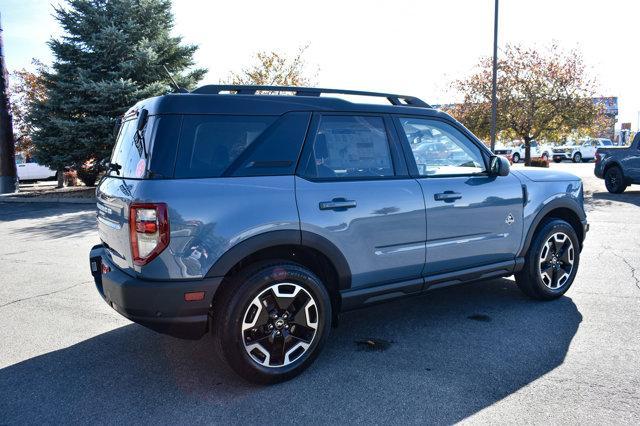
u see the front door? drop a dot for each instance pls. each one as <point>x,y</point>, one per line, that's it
<point>353,189</point>
<point>473,219</point>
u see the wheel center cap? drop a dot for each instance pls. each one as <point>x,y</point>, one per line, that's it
<point>279,323</point>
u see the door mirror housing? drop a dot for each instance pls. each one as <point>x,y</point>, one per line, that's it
<point>499,166</point>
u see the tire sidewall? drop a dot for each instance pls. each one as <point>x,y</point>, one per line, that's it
<point>515,158</point>
<point>245,288</point>
<point>541,238</point>
<point>577,157</point>
<point>620,186</point>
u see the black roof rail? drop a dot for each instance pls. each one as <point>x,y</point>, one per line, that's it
<point>214,89</point>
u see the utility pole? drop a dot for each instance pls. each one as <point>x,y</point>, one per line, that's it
<point>8,173</point>
<point>494,89</point>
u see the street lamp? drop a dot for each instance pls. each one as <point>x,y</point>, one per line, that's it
<point>494,89</point>
<point>7,154</point>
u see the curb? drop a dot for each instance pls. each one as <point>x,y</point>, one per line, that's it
<point>60,200</point>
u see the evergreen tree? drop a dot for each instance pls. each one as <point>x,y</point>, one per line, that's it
<point>110,56</point>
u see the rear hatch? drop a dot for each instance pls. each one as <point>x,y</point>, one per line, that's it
<point>117,191</point>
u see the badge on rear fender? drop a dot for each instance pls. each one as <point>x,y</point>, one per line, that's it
<point>509,220</point>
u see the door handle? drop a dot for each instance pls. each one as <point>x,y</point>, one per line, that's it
<point>338,204</point>
<point>447,196</point>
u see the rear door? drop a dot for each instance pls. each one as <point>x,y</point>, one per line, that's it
<point>473,219</point>
<point>353,189</point>
<point>588,150</point>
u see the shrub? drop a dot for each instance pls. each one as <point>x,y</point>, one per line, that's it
<point>70,178</point>
<point>539,162</point>
<point>88,175</point>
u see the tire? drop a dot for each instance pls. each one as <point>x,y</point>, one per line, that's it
<point>577,157</point>
<point>271,321</point>
<point>614,180</point>
<point>551,262</point>
<point>515,158</point>
<point>557,160</point>
<point>545,157</point>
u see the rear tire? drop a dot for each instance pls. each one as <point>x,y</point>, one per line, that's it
<point>577,157</point>
<point>614,180</point>
<point>552,261</point>
<point>557,160</point>
<point>271,321</point>
<point>515,158</point>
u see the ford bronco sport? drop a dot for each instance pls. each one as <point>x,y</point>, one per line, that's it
<point>259,213</point>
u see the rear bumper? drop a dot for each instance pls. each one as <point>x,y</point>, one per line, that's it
<point>158,305</point>
<point>597,170</point>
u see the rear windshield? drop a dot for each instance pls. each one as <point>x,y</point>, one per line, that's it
<point>126,153</point>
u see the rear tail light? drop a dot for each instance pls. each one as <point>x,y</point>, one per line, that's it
<point>148,231</point>
<point>598,158</point>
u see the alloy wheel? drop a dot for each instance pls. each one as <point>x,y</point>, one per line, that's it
<point>279,325</point>
<point>556,260</point>
<point>613,179</point>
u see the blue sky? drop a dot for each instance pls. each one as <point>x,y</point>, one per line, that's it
<point>413,47</point>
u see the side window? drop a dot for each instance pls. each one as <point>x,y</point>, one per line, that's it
<point>350,147</point>
<point>209,144</point>
<point>440,149</point>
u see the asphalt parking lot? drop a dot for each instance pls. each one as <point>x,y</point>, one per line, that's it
<point>477,353</point>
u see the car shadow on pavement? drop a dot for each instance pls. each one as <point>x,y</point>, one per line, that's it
<point>606,198</point>
<point>54,220</point>
<point>446,355</point>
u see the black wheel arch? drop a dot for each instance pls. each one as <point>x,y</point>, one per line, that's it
<point>287,243</point>
<point>612,164</point>
<point>563,208</point>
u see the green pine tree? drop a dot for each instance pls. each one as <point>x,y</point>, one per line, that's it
<point>111,55</point>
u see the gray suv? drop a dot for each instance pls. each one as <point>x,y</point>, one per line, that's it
<point>260,213</point>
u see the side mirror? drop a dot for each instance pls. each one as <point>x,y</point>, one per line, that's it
<point>499,166</point>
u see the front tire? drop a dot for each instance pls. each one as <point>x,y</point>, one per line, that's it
<point>272,320</point>
<point>614,180</point>
<point>577,157</point>
<point>515,158</point>
<point>552,261</point>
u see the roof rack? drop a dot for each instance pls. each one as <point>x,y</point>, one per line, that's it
<point>214,89</point>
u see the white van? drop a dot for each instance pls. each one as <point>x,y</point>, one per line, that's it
<point>31,170</point>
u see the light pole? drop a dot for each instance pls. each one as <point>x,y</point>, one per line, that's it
<point>7,153</point>
<point>494,89</point>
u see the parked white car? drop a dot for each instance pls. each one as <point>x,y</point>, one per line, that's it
<point>30,170</point>
<point>517,153</point>
<point>585,150</point>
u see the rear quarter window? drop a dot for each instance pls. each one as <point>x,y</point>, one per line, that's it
<point>223,145</point>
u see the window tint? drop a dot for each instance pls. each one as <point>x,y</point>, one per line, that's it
<point>350,146</point>
<point>209,144</point>
<point>275,152</point>
<point>440,149</point>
